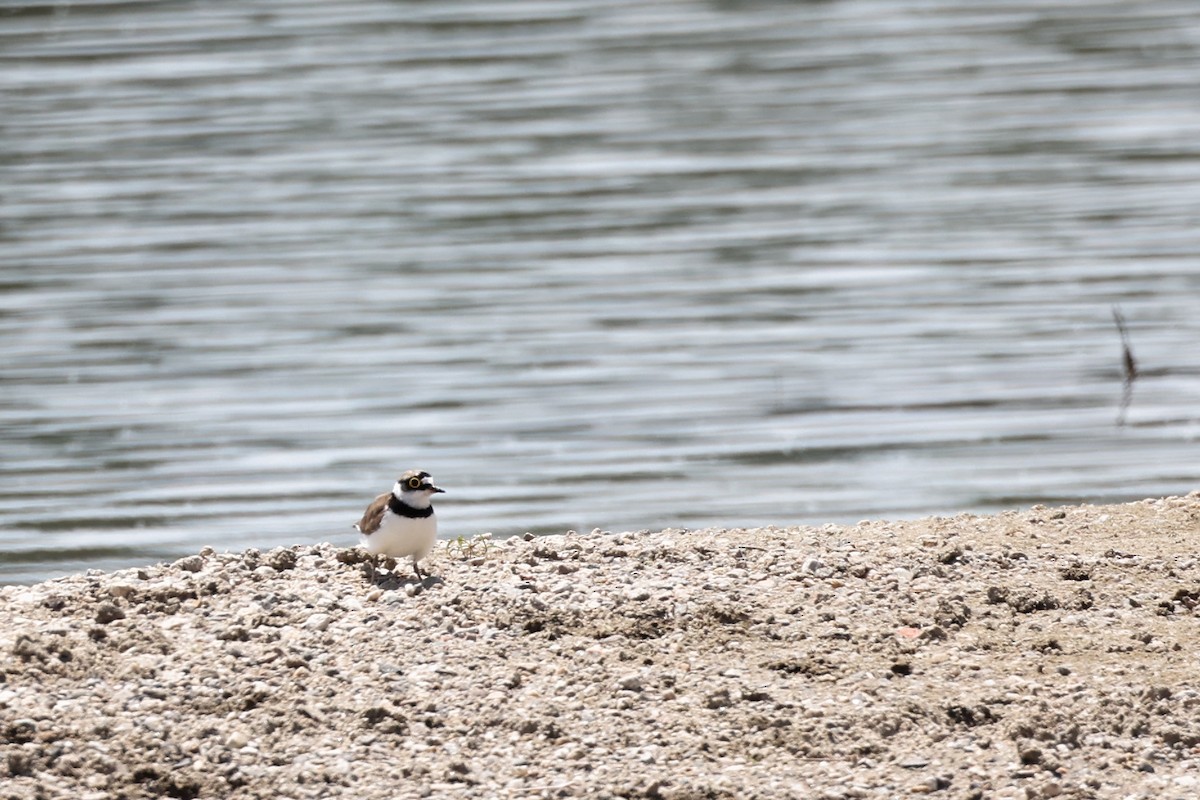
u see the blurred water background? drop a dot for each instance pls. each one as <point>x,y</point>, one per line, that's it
<point>593,264</point>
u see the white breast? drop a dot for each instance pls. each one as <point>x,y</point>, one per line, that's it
<point>402,536</point>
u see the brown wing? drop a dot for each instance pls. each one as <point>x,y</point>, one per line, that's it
<point>373,516</point>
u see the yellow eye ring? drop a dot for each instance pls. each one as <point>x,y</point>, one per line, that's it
<point>414,483</point>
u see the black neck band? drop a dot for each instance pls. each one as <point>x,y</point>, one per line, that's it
<point>398,506</point>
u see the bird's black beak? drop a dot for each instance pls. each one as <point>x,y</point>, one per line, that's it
<point>436,489</point>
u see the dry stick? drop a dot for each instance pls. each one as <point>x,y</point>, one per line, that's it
<point>1129,365</point>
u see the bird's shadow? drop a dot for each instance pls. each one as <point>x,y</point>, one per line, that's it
<point>390,577</point>
<point>386,572</point>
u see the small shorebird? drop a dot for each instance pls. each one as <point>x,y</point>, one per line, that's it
<point>401,522</point>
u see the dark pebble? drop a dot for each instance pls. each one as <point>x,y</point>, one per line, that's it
<point>107,613</point>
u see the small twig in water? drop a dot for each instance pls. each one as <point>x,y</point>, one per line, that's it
<point>1128,364</point>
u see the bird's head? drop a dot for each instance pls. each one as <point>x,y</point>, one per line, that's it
<point>416,488</point>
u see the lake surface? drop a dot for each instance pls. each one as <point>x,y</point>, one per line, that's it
<point>619,265</point>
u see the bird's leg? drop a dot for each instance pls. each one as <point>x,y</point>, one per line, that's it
<point>417,569</point>
<point>374,569</point>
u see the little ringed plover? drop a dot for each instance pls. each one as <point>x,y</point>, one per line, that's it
<point>401,522</point>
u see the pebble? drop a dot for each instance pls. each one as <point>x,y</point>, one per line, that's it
<point>107,612</point>
<point>630,682</point>
<point>282,558</point>
<point>237,740</point>
<point>189,564</point>
<point>318,622</point>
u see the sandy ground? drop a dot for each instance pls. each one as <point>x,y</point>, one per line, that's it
<point>1044,653</point>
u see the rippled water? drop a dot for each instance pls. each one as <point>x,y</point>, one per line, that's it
<point>624,265</point>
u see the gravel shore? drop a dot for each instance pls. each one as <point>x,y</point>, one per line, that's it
<point>1043,653</point>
